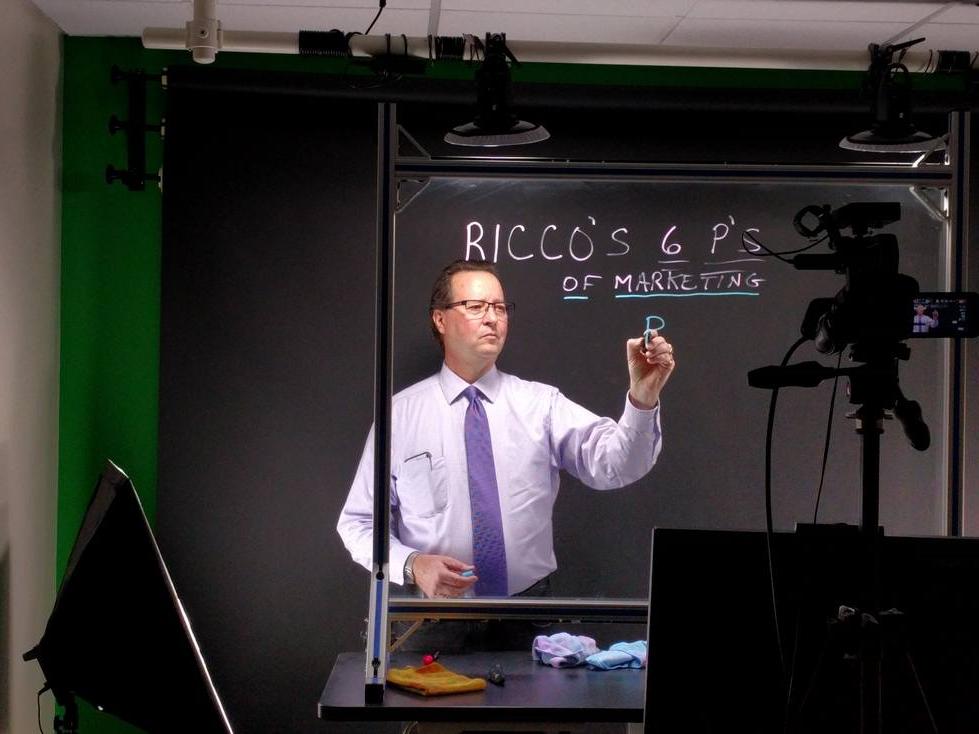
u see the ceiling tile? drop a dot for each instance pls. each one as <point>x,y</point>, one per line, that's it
<point>113,17</point>
<point>129,18</point>
<point>361,6</point>
<point>568,28</point>
<point>412,22</point>
<point>950,36</point>
<point>635,8</point>
<point>828,10</point>
<point>963,13</point>
<point>774,34</point>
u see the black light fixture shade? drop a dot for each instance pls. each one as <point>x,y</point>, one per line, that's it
<point>520,132</point>
<point>873,141</point>
<point>495,123</point>
<point>889,85</point>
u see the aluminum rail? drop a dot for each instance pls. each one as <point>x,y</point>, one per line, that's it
<point>551,609</point>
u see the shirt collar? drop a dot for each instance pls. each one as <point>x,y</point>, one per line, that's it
<point>452,385</point>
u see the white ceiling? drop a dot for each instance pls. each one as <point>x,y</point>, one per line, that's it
<point>743,24</point>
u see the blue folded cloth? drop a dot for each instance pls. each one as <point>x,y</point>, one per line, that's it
<point>619,655</point>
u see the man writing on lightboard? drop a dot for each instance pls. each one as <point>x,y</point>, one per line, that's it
<point>476,454</point>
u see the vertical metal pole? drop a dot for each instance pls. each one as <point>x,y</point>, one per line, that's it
<point>958,217</point>
<point>377,622</point>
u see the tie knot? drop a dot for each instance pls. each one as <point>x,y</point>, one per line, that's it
<point>471,393</point>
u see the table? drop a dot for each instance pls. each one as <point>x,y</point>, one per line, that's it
<point>532,693</point>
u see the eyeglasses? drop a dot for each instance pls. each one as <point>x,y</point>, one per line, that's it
<point>478,309</point>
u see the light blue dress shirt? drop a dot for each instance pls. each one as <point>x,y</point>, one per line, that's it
<point>536,432</point>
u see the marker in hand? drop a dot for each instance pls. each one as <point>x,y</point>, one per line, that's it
<point>651,332</point>
<point>647,338</point>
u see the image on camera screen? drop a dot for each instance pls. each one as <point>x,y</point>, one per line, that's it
<point>935,315</point>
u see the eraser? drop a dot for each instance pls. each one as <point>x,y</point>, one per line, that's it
<point>466,573</point>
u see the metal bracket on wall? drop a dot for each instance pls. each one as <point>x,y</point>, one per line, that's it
<point>135,127</point>
<point>409,188</point>
<point>933,199</point>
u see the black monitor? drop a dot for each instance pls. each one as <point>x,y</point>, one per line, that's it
<point>714,662</point>
<point>118,636</point>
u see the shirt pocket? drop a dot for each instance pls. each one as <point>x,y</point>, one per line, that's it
<point>422,486</point>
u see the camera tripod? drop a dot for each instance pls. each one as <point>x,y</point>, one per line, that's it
<point>862,636</point>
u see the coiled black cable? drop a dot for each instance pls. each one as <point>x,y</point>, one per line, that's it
<point>446,47</point>
<point>333,43</point>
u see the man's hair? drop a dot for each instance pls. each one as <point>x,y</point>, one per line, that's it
<point>442,289</point>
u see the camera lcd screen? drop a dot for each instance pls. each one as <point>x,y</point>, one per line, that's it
<point>943,315</point>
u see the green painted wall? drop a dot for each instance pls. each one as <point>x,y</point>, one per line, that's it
<point>109,291</point>
<point>110,313</point>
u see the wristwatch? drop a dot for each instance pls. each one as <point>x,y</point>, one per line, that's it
<point>409,571</point>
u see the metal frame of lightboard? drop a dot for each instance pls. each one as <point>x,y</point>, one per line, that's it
<point>952,175</point>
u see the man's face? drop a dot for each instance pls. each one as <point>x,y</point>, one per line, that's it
<point>472,342</point>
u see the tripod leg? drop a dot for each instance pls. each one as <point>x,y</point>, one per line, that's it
<point>894,624</point>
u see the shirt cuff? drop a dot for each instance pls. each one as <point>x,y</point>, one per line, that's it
<point>397,555</point>
<point>643,421</point>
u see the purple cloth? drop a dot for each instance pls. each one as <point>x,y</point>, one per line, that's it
<point>562,650</point>
<point>489,551</point>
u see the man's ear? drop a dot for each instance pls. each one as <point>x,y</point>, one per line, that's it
<point>438,318</point>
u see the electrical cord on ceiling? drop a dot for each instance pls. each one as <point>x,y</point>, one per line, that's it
<point>380,9</point>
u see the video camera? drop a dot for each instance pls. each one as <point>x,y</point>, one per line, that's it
<point>878,306</point>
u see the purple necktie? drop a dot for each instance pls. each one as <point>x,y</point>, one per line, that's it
<point>489,553</point>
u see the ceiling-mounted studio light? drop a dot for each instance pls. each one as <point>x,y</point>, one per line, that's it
<point>495,123</point>
<point>889,85</point>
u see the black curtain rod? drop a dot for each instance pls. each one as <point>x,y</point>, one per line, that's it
<point>528,95</point>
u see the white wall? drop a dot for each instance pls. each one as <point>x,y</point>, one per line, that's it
<point>30,204</point>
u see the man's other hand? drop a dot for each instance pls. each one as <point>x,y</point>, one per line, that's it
<point>441,575</point>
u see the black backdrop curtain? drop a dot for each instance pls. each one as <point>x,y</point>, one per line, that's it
<point>267,362</point>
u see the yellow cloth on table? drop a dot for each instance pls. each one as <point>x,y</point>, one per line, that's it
<point>433,680</point>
